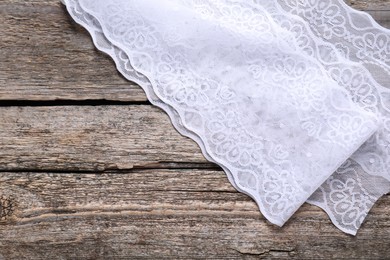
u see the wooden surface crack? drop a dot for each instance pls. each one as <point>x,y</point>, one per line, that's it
<point>266,253</point>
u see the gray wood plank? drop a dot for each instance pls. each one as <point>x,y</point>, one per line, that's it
<point>369,5</point>
<point>46,56</point>
<point>165,214</point>
<point>87,138</point>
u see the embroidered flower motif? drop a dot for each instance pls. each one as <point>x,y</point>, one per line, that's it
<point>328,21</point>
<point>344,125</point>
<point>323,14</point>
<point>351,205</point>
<point>372,45</point>
<point>245,20</point>
<point>312,126</point>
<point>235,145</point>
<point>279,190</point>
<point>362,93</point>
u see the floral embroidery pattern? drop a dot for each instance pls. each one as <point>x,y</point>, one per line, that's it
<point>346,197</point>
<point>209,110</point>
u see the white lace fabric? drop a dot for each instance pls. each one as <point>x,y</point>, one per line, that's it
<point>348,197</point>
<point>272,101</point>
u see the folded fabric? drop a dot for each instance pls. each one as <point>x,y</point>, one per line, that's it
<point>355,51</point>
<point>237,82</point>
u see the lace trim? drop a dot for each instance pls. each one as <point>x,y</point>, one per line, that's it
<point>125,68</point>
<point>353,76</point>
<point>348,195</point>
<point>245,177</point>
<point>338,21</point>
<point>374,157</point>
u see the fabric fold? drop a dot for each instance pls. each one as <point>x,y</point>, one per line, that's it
<point>358,58</point>
<point>269,114</point>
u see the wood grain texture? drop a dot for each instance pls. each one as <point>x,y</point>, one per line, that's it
<point>82,181</point>
<point>46,56</point>
<point>166,213</point>
<point>369,5</point>
<point>91,138</point>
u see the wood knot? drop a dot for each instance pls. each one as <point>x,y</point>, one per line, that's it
<point>7,207</point>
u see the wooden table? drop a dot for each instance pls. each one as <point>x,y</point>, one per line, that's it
<point>90,170</point>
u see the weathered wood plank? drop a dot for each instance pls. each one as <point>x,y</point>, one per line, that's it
<point>46,56</point>
<point>369,5</point>
<point>165,213</point>
<point>63,138</point>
